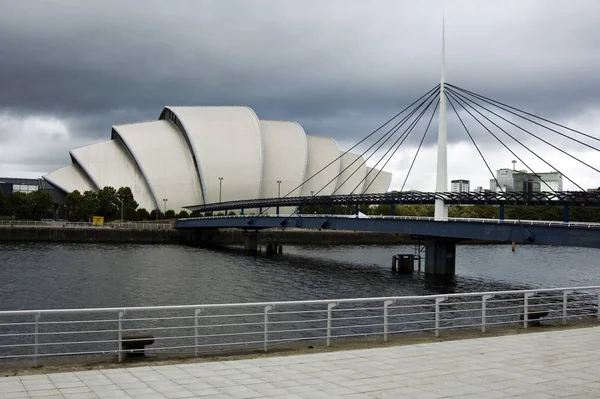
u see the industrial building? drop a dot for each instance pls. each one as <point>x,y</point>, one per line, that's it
<point>524,181</point>
<point>196,155</point>
<point>460,186</point>
<point>10,185</point>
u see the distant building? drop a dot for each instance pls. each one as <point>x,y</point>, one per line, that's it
<point>593,190</point>
<point>10,185</point>
<point>460,186</point>
<point>524,181</point>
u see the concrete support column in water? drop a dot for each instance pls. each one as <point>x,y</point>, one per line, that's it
<point>440,257</point>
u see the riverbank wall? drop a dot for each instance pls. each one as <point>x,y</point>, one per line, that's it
<point>208,238</point>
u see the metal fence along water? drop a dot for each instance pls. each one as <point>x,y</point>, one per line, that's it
<point>86,225</point>
<point>212,328</point>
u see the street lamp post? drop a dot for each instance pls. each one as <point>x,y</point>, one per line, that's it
<point>514,163</point>
<point>278,188</point>
<point>312,193</point>
<point>220,187</point>
<point>165,202</point>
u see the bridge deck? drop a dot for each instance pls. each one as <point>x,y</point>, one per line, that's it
<point>538,232</point>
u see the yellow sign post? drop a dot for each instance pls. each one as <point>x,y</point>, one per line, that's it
<point>97,220</point>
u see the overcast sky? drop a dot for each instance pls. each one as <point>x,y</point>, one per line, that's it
<point>69,70</point>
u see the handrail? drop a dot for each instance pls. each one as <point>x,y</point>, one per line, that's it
<point>552,223</point>
<point>39,334</point>
<point>289,303</point>
<point>72,225</point>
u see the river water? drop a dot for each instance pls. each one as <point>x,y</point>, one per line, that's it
<point>43,276</point>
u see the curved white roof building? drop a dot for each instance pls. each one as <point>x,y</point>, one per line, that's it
<point>162,155</point>
<point>353,174</point>
<point>195,155</point>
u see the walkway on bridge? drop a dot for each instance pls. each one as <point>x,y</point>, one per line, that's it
<point>553,364</point>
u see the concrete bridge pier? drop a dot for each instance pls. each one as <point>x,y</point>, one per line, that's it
<point>251,241</point>
<point>440,257</point>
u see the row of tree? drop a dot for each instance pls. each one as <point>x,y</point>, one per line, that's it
<point>108,202</point>
<point>26,206</point>
<point>112,204</point>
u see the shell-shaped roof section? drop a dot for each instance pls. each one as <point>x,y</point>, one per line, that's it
<point>226,145</point>
<point>377,181</point>
<point>109,164</point>
<point>321,152</point>
<point>69,179</point>
<point>285,153</point>
<point>164,159</point>
<point>352,176</point>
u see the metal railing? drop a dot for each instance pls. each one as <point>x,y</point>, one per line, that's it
<point>210,328</point>
<point>554,223</point>
<point>86,225</point>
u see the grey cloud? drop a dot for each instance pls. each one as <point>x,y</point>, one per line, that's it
<point>339,68</point>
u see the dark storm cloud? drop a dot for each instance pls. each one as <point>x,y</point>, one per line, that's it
<point>339,68</point>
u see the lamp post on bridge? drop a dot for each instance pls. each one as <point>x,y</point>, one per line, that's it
<point>165,202</point>
<point>278,195</point>
<point>220,188</point>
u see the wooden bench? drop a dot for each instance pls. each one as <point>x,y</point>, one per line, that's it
<point>135,343</point>
<point>534,316</point>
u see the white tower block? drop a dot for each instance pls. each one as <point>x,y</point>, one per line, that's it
<point>441,183</point>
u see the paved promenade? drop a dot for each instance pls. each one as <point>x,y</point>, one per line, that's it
<point>542,365</point>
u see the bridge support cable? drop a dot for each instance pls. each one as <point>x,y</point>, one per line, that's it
<point>464,107</point>
<point>397,147</point>
<point>423,97</point>
<point>408,132</point>
<point>402,137</point>
<point>473,141</point>
<point>541,139</point>
<point>495,102</point>
<point>471,102</point>
<point>418,148</point>
<point>391,134</point>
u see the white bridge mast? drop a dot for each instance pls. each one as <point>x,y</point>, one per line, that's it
<point>441,183</point>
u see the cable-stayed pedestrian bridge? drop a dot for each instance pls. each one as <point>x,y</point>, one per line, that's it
<point>476,114</point>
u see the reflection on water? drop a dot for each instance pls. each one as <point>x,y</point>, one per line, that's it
<point>34,276</point>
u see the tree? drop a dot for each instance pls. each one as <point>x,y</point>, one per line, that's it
<point>153,215</point>
<point>18,205</point>
<point>142,214</point>
<point>40,202</point>
<point>74,204</point>
<point>3,204</point>
<point>90,205</point>
<point>124,194</point>
<point>170,214</point>
<point>183,214</point>
<point>108,202</point>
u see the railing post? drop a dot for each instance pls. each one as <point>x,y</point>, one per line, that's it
<point>121,314</point>
<point>36,342</point>
<point>565,306</point>
<point>385,318</point>
<point>437,314</point>
<point>266,339</point>
<point>598,305</point>
<point>330,306</point>
<point>526,308</point>
<point>196,330</point>
<point>484,311</point>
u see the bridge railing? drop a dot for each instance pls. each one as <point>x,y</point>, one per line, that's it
<point>232,327</point>
<point>421,218</point>
<point>85,225</point>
